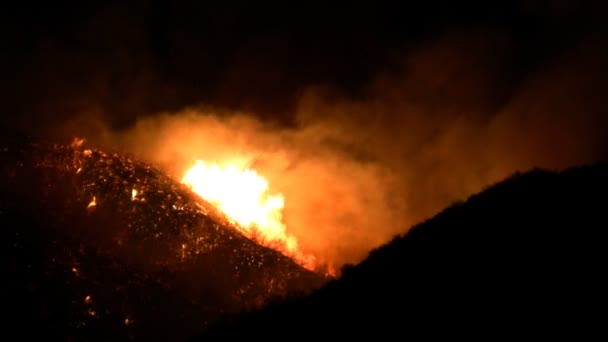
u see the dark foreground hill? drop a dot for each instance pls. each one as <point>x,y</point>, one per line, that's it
<point>99,246</point>
<point>524,258</point>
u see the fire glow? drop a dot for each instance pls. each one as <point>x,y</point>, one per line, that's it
<point>243,195</point>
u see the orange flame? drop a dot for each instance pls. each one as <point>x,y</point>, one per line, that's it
<point>92,203</point>
<point>242,194</point>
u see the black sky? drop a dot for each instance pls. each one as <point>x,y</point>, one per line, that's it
<point>62,59</point>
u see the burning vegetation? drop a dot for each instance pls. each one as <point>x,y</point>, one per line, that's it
<point>127,246</point>
<point>243,195</point>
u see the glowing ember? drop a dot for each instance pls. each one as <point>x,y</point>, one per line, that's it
<point>77,142</point>
<point>92,203</point>
<point>133,194</point>
<point>243,196</point>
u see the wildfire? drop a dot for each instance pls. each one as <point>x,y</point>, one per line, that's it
<point>242,194</point>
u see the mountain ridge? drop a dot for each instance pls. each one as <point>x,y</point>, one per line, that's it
<point>101,246</point>
<point>524,254</point>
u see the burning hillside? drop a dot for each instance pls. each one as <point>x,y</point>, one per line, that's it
<point>242,194</point>
<point>105,246</point>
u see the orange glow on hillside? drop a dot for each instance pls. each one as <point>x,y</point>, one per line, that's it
<point>243,195</point>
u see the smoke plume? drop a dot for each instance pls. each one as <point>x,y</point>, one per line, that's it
<point>452,118</point>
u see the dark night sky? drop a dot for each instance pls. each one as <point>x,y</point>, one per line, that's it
<point>60,59</point>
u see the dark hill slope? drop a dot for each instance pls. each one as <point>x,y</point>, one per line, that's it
<point>149,261</point>
<point>527,254</point>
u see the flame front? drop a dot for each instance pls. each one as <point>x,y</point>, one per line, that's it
<point>243,196</point>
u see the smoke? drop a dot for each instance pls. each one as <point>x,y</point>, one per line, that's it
<point>454,117</point>
<point>334,199</point>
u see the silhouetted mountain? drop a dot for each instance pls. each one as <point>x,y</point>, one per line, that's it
<point>526,257</point>
<point>99,246</point>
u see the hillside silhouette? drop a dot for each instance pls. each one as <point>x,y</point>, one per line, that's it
<point>102,247</point>
<point>524,258</point>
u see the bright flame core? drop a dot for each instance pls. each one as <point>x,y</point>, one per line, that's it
<point>243,196</point>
